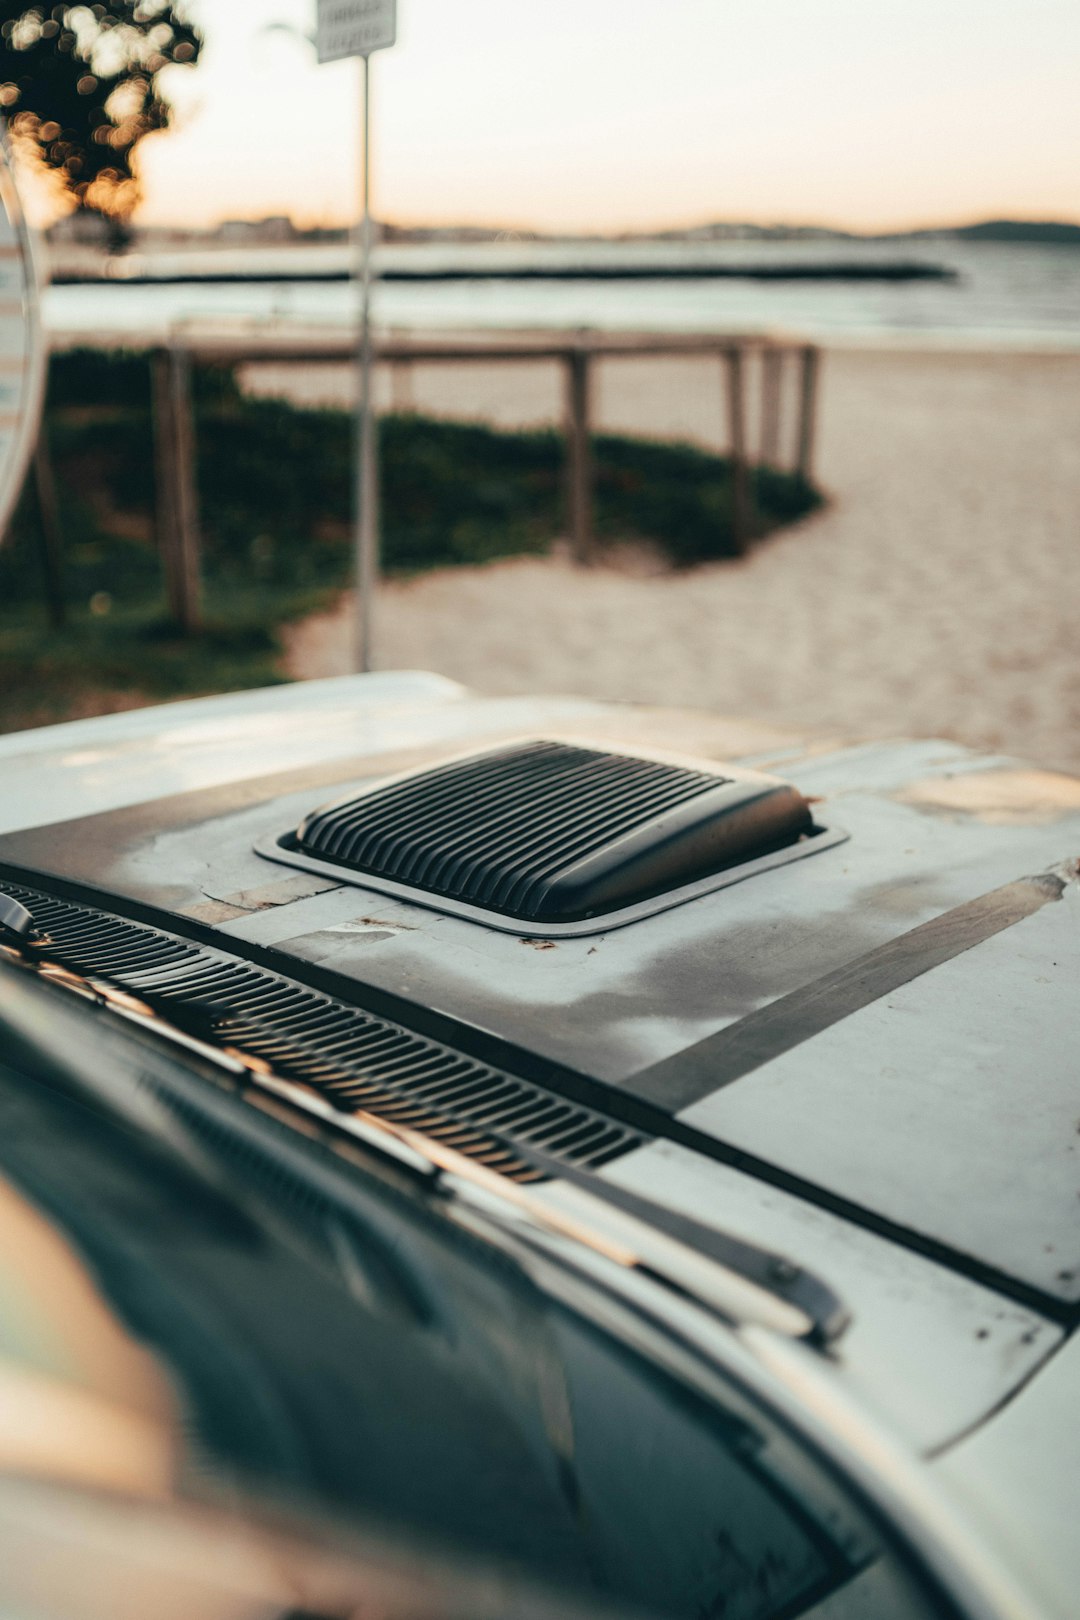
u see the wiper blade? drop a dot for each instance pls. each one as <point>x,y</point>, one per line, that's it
<point>766,1269</point>
<point>737,1280</point>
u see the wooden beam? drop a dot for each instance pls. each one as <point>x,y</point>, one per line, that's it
<point>741,516</point>
<point>165,481</point>
<point>177,515</point>
<point>579,468</point>
<point>402,395</point>
<point>187,498</point>
<point>51,536</point>
<point>808,391</point>
<point>305,344</point>
<point>772,363</point>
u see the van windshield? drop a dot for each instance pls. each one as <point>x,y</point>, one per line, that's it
<point>371,1365</point>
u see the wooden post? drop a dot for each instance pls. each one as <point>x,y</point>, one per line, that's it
<point>772,361</point>
<point>164,479</point>
<point>187,498</point>
<point>579,456</point>
<point>49,528</point>
<point>804,460</point>
<point>177,498</point>
<point>740,491</point>
<point>402,397</point>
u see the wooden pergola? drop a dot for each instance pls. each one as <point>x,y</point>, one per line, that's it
<point>577,354</point>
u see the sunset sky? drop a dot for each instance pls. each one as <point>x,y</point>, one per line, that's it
<point>613,114</point>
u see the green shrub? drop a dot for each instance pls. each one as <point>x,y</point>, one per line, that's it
<point>276,482</point>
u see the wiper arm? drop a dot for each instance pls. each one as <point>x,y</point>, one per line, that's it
<point>736,1279</point>
<point>16,921</point>
<point>761,1268</point>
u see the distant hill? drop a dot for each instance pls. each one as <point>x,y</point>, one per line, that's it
<point>1019,230</point>
<point>989,230</point>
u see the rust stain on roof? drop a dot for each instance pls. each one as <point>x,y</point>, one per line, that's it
<point>1005,797</point>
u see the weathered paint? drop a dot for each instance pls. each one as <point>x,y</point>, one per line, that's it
<point>998,795</point>
<point>1020,1474</point>
<point>951,1106</point>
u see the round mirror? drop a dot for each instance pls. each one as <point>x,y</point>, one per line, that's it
<point>22,346</point>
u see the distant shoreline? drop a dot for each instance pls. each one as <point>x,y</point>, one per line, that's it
<point>89,231</point>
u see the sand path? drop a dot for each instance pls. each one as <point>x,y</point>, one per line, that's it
<point>937,596</point>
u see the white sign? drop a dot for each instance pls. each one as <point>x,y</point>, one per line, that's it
<point>354,27</point>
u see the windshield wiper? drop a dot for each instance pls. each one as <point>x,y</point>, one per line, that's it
<point>737,1279</point>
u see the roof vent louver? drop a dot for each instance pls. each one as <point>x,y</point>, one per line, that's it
<point>354,1059</point>
<point>548,833</point>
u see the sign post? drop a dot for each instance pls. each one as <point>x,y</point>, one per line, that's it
<point>357,28</point>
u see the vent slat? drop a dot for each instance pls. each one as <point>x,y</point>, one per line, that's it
<point>489,1092</point>
<point>552,832</point>
<point>496,815</point>
<point>533,865</point>
<point>520,806</point>
<point>558,837</point>
<point>398,815</point>
<point>355,1059</point>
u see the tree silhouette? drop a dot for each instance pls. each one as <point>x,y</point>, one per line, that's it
<point>79,85</point>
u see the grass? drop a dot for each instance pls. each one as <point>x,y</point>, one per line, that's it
<point>275,492</point>
<point>133,655</point>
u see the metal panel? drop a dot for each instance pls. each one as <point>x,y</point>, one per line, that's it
<point>950,1107</point>
<point>1020,1470</point>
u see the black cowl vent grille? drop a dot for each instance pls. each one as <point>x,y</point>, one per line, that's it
<point>547,832</point>
<point>357,1061</point>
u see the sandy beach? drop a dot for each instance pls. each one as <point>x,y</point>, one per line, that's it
<point>935,596</point>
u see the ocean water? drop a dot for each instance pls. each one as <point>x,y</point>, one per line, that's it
<point>1003,295</point>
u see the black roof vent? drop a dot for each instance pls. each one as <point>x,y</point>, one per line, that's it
<point>550,833</point>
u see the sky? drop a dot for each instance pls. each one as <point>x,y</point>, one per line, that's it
<point>611,115</point>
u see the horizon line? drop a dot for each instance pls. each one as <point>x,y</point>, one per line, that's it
<point>616,233</point>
